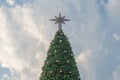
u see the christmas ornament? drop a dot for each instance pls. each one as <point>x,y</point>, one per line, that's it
<point>60,40</point>
<point>70,72</point>
<point>51,72</point>
<point>60,71</point>
<point>68,61</point>
<point>65,51</point>
<point>57,61</point>
<point>55,51</point>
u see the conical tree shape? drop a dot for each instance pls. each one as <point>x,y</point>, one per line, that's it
<point>60,63</point>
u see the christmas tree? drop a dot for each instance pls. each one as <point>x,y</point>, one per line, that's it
<point>60,63</point>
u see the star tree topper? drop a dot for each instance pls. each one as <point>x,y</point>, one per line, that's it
<point>59,20</point>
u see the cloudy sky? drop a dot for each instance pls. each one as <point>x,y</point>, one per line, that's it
<point>25,34</point>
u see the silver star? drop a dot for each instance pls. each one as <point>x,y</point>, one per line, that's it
<point>59,20</point>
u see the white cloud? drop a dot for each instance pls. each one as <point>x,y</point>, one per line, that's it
<point>8,57</point>
<point>10,2</point>
<point>113,8</point>
<point>23,43</point>
<point>84,60</point>
<point>83,56</point>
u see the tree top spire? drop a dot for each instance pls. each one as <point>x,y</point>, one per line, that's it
<point>59,20</point>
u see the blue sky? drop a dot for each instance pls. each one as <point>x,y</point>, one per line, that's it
<point>26,32</point>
